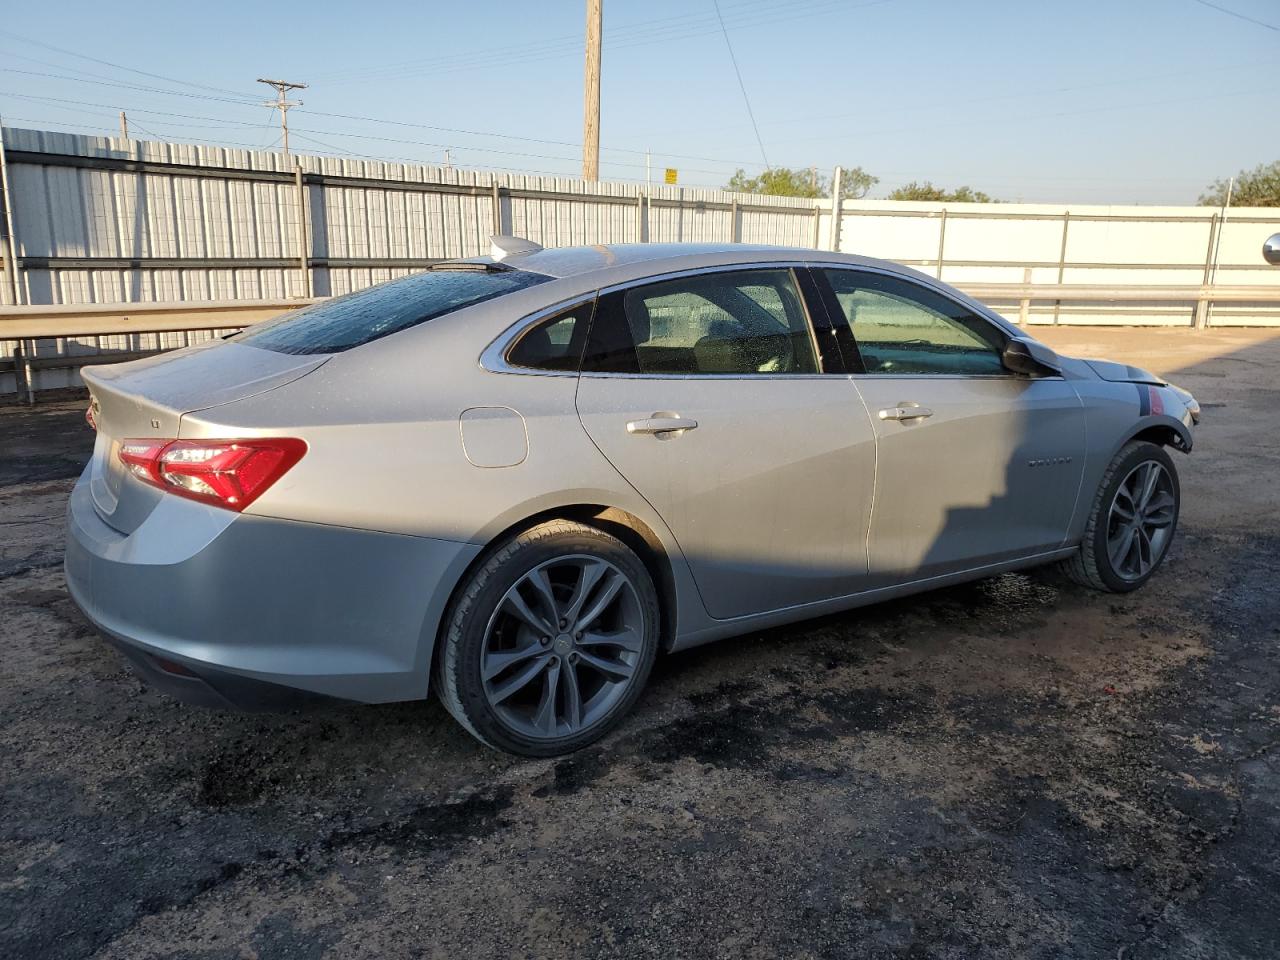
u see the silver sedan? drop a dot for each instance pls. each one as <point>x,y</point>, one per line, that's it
<point>514,480</point>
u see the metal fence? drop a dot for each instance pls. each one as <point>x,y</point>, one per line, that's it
<point>99,220</point>
<point>110,225</point>
<point>1162,250</point>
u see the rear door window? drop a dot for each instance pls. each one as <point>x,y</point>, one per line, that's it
<point>747,322</point>
<point>357,318</point>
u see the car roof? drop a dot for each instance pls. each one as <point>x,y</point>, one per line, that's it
<point>565,262</point>
<point>579,270</point>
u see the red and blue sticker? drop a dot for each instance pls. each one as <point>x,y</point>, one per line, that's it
<point>1149,400</point>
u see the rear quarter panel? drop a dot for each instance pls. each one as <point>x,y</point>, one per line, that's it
<point>385,441</point>
<point>386,447</point>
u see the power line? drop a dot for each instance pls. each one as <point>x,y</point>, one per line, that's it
<point>138,126</point>
<point>79,107</point>
<point>62,104</point>
<point>416,160</point>
<point>311,136</point>
<point>510,136</point>
<point>60,101</point>
<point>567,143</point>
<point>117,66</point>
<point>266,127</point>
<point>1008,180</point>
<point>105,129</point>
<point>716,160</point>
<point>125,86</point>
<point>741,86</point>
<point>61,66</point>
<point>635,164</point>
<point>348,116</point>
<point>721,160</point>
<point>1238,16</point>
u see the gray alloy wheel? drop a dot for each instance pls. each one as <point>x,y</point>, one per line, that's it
<point>1140,522</point>
<point>550,641</point>
<point>562,647</point>
<point>1132,521</point>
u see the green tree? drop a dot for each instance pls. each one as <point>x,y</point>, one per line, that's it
<point>1259,187</point>
<point>802,182</point>
<point>927,191</point>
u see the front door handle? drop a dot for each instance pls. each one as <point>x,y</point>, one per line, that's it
<point>662,427</point>
<point>906,410</point>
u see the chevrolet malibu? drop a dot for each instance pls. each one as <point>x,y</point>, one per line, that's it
<point>513,480</point>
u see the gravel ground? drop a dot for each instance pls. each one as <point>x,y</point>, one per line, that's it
<point>1012,768</point>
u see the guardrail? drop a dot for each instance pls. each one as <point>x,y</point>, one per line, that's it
<point>106,319</point>
<point>1203,296</point>
<point>24,325</point>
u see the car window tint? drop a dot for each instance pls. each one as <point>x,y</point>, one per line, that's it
<point>553,344</point>
<point>332,326</point>
<point>735,322</point>
<point>904,328</point>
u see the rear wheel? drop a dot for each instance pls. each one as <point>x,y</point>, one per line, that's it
<point>550,641</point>
<point>1131,523</point>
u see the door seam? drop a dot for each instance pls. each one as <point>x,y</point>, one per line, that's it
<point>875,477</point>
<point>656,512</point>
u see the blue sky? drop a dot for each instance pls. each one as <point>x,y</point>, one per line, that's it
<point>1088,101</point>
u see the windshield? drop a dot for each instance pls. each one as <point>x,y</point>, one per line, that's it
<point>349,321</point>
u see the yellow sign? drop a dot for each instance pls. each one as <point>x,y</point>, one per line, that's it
<point>671,175</point>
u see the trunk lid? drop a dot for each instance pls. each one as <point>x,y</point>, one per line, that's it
<point>147,398</point>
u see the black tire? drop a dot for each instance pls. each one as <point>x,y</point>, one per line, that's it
<point>1092,566</point>
<point>459,679</point>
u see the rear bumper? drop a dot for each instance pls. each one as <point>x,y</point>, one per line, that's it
<point>236,610</point>
<point>204,686</point>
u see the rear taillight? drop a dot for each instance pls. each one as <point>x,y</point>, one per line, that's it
<point>90,417</point>
<point>225,473</point>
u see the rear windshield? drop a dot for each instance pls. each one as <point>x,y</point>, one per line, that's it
<point>346,322</point>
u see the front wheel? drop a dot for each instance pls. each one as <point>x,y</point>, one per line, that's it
<point>550,640</point>
<point>1132,521</point>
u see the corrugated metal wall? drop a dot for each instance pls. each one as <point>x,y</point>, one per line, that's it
<point>104,220</point>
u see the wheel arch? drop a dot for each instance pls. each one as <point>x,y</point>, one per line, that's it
<point>638,535</point>
<point>1159,429</point>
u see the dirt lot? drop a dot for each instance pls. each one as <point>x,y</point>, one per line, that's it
<point>1012,768</point>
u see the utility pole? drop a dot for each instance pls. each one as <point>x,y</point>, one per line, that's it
<point>648,177</point>
<point>124,125</point>
<point>282,103</point>
<point>837,212</point>
<point>591,100</point>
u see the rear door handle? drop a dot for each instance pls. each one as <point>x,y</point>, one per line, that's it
<point>906,410</point>
<point>662,426</point>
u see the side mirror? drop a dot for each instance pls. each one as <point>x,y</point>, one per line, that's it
<point>1029,358</point>
<point>1271,249</point>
